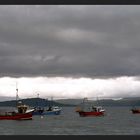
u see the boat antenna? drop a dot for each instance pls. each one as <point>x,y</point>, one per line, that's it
<point>85,99</point>
<point>97,100</point>
<point>37,95</point>
<point>51,101</point>
<point>37,99</point>
<point>84,103</point>
<point>46,102</point>
<point>17,97</point>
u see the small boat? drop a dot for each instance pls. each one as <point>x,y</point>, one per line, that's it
<point>52,110</point>
<point>135,110</point>
<point>96,111</point>
<point>90,111</point>
<point>38,111</point>
<point>22,112</point>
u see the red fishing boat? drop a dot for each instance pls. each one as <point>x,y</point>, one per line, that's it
<point>135,110</point>
<point>98,111</point>
<point>90,111</point>
<point>22,112</point>
<point>16,116</point>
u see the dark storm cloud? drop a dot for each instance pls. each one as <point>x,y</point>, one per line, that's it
<point>69,40</point>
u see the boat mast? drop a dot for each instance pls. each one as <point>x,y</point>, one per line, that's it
<point>38,95</point>
<point>37,99</point>
<point>97,101</point>
<point>51,101</point>
<point>16,94</point>
<point>84,103</point>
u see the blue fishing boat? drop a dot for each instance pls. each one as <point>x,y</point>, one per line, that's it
<point>52,110</point>
<point>38,111</point>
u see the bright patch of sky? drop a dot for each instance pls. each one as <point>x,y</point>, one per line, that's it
<point>66,87</point>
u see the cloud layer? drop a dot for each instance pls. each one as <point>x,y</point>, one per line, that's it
<point>70,50</point>
<point>91,40</point>
<point>61,87</point>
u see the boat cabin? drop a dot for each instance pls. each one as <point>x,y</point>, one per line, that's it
<point>96,108</point>
<point>56,107</point>
<point>53,108</point>
<point>22,108</point>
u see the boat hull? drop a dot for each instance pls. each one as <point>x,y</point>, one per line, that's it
<point>37,113</point>
<point>86,114</point>
<point>46,112</point>
<point>17,116</point>
<point>57,112</point>
<point>135,111</point>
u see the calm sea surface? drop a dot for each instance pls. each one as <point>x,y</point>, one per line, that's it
<point>118,120</point>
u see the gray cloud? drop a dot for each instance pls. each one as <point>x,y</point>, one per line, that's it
<point>69,40</point>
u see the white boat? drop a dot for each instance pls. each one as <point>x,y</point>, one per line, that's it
<point>52,110</point>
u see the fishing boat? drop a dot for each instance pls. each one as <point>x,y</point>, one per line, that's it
<point>21,113</point>
<point>38,110</point>
<point>96,111</point>
<point>50,110</point>
<point>135,110</point>
<point>85,111</point>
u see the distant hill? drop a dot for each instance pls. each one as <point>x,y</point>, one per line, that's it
<point>135,101</point>
<point>122,102</point>
<point>70,101</point>
<point>33,102</point>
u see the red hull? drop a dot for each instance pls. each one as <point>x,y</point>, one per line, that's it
<point>135,111</point>
<point>85,114</point>
<point>17,116</point>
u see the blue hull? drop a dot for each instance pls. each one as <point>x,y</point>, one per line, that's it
<point>37,113</point>
<point>54,110</point>
<point>51,112</point>
<point>47,113</point>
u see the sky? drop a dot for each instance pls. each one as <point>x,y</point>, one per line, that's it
<point>70,51</point>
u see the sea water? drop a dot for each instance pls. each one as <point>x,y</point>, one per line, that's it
<point>117,121</point>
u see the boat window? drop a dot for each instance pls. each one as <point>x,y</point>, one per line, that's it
<point>22,109</point>
<point>50,109</point>
<point>94,108</point>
